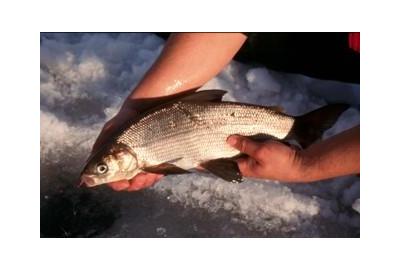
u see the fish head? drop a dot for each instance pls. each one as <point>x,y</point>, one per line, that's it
<point>111,163</point>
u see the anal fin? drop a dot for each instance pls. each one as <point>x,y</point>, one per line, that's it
<point>226,169</point>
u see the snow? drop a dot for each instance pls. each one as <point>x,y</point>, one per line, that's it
<point>356,205</point>
<point>259,79</point>
<point>84,80</point>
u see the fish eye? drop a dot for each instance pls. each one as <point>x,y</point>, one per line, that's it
<point>101,168</point>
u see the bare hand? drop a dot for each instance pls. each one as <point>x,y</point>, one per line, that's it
<point>142,180</point>
<point>270,160</point>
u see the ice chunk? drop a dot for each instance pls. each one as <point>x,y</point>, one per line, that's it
<point>356,205</point>
<point>259,79</point>
<point>161,231</point>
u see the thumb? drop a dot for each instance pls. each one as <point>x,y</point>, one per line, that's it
<point>244,144</point>
<point>247,166</point>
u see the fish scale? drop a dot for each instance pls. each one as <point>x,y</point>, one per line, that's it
<point>194,132</point>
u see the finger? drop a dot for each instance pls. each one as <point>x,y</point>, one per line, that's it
<point>149,183</point>
<point>142,180</point>
<point>244,144</point>
<point>119,185</point>
<point>158,177</point>
<point>247,166</point>
<point>151,180</point>
<point>137,183</point>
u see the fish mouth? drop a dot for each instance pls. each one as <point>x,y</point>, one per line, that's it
<point>88,181</point>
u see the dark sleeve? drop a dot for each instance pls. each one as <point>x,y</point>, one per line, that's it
<point>321,55</point>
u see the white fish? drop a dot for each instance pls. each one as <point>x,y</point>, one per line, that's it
<point>191,131</point>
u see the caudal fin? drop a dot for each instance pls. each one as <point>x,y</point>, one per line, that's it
<point>309,127</point>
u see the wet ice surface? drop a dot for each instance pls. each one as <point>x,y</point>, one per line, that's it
<point>84,79</point>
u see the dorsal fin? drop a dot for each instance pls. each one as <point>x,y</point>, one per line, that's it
<point>205,95</point>
<point>190,95</point>
<point>276,108</point>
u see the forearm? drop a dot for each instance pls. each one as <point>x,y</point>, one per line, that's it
<point>336,156</point>
<point>188,61</point>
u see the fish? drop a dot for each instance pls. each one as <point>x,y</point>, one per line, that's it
<point>190,132</point>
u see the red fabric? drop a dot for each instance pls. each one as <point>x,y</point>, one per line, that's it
<point>354,41</point>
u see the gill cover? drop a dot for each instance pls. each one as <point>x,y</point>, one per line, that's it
<point>111,163</point>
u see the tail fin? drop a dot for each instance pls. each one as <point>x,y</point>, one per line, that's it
<point>309,127</point>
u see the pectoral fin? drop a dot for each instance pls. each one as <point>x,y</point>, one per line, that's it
<point>165,168</point>
<point>226,169</point>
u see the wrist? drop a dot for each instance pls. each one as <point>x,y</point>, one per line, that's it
<point>305,167</point>
<point>136,102</point>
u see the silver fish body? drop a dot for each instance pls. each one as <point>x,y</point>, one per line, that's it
<point>191,131</point>
<point>188,134</point>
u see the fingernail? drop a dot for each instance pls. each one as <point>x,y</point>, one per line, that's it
<point>232,140</point>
